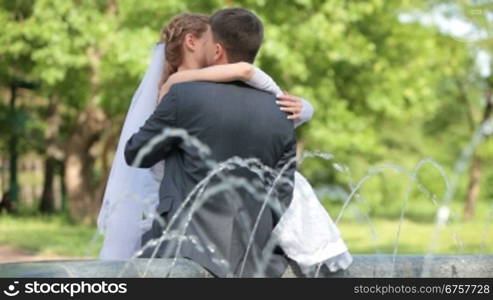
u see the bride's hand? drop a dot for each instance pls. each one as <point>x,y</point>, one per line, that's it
<point>292,105</point>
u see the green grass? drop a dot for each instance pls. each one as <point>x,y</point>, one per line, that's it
<point>55,235</point>
<point>416,237</point>
<point>418,229</point>
<point>49,235</point>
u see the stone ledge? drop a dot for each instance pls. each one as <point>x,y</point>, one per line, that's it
<point>363,266</point>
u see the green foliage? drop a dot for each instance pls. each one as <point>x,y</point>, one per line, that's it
<point>384,91</point>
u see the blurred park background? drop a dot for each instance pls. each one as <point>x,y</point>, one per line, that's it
<point>392,83</point>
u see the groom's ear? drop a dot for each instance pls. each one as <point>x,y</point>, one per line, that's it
<point>219,53</point>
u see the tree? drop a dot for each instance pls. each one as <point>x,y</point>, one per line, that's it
<point>383,89</point>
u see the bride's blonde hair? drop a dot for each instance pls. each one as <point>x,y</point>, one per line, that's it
<point>173,35</point>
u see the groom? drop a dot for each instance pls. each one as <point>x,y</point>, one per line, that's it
<point>232,119</point>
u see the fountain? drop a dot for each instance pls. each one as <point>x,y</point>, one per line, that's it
<point>367,266</point>
<point>379,265</point>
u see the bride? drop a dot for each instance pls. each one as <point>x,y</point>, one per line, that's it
<point>305,232</point>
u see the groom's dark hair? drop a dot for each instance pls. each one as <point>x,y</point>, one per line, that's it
<point>239,31</point>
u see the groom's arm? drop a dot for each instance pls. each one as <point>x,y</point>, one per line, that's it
<point>163,118</point>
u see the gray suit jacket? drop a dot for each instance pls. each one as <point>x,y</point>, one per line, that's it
<point>232,119</point>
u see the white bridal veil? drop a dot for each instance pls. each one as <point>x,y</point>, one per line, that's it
<point>131,192</point>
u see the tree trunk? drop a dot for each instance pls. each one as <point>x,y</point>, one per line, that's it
<point>63,189</point>
<point>475,169</point>
<point>79,163</point>
<point>473,189</point>
<point>110,143</point>
<point>47,204</point>
<point>15,132</point>
<point>14,183</point>
<point>53,153</point>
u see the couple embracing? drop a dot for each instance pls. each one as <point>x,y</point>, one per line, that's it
<point>202,103</point>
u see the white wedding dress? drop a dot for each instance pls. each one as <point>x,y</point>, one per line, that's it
<point>305,232</point>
